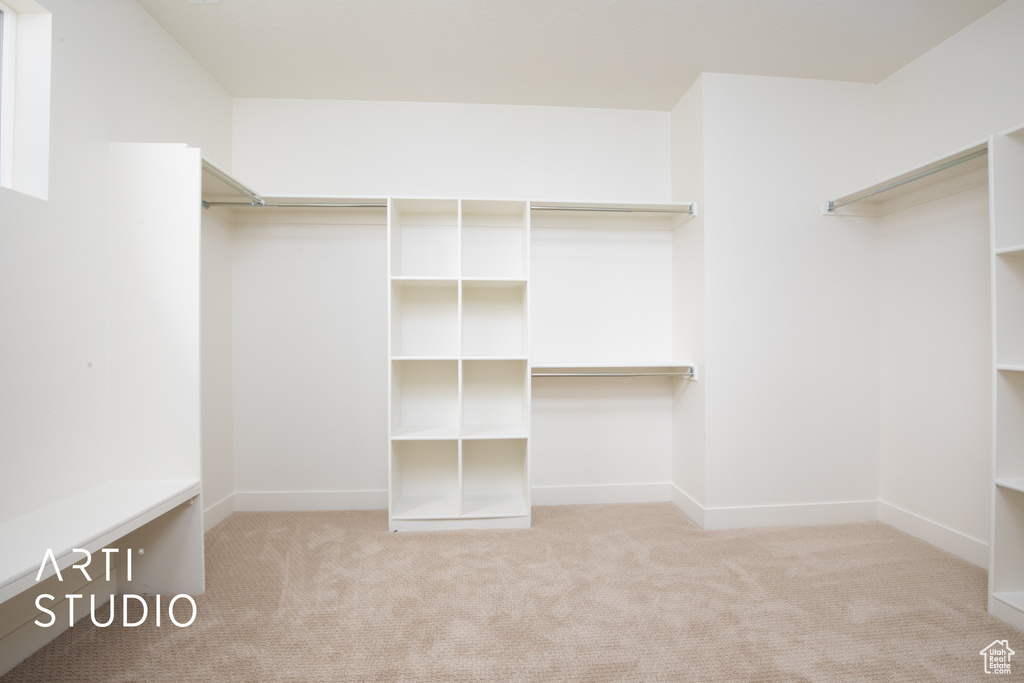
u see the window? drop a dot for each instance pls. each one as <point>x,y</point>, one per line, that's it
<point>7,23</point>
<point>25,30</point>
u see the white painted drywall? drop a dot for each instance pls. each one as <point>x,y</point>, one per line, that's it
<point>399,149</point>
<point>792,296</point>
<point>936,355</point>
<point>688,310</point>
<point>215,327</point>
<point>961,91</point>
<point>116,76</point>
<point>309,329</point>
<point>601,432</point>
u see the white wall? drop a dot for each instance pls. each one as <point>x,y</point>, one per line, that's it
<point>309,329</point>
<point>792,302</point>
<point>355,148</point>
<point>116,76</point>
<point>958,93</point>
<point>936,355</point>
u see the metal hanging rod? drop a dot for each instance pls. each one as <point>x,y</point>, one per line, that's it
<point>220,175</point>
<point>686,375</point>
<point>304,205</point>
<point>688,209</point>
<point>835,204</point>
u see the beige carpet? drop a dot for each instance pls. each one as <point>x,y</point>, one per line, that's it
<point>590,593</point>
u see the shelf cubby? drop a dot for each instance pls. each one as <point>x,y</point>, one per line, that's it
<point>1008,572</point>
<point>425,479</point>
<point>1009,296</point>
<point>494,399</point>
<point>1009,433</point>
<point>494,478</point>
<point>494,239</point>
<point>424,399</point>
<point>493,318</point>
<point>1008,189</point>
<point>425,318</point>
<point>425,238</point>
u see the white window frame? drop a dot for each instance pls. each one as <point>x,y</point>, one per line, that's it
<point>7,71</point>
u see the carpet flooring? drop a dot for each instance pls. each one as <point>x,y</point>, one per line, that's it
<point>590,593</point>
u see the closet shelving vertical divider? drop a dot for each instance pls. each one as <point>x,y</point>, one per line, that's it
<point>459,385</point>
<point>1006,566</point>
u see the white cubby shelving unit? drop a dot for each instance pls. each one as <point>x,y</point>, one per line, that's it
<point>1006,567</point>
<point>459,375</point>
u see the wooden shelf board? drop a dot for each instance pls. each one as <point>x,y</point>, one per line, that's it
<point>512,431</point>
<point>1015,484</point>
<point>90,519</point>
<point>496,505</point>
<point>426,507</point>
<point>425,433</point>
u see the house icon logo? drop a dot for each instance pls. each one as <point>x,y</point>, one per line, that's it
<point>997,657</point>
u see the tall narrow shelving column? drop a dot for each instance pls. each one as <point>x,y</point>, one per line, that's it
<point>459,376</point>
<point>1006,567</point>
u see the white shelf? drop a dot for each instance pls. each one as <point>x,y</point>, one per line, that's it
<point>1014,599</point>
<point>1012,484</point>
<point>425,433</point>
<point>413,279</point>
<point>962,170</point>
<point>90,519</point>
<point>1010,368</point>
<point>622,365</point>
<point>426,507</point>
<point>502,431</point>
<point>611,215</point>
<point>1016,250</point>
<point>507,505</point>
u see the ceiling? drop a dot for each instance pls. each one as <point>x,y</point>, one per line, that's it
<point>624,54</point>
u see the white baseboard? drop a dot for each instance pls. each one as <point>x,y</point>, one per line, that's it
<point>218,512</point>
<point>305,501</point>
<point>690,507</point>
<point>601,493</point>
<point>800,514</point>
<point>971,549</point>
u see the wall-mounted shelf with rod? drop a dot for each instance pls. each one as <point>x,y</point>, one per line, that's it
<point>962,170</point>
<point>221,189</point>
<point>645,369</point>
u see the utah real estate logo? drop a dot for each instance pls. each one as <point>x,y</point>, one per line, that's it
<point>997,657</point>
